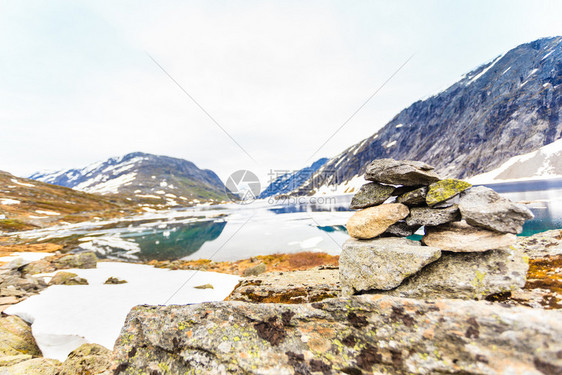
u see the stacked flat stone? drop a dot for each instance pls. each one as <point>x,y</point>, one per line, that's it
<point>466,251</point>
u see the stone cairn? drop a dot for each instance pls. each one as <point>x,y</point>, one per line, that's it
<point>466,251</point>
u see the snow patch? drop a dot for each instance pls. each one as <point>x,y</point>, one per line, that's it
<point>484,71</point>
<point>348,187</point>
<point>25,256</point>
<point>8,201</point>
<point>50,213</point>
<point>64,316</point>
<point>548,54</point>
<point>110,186</point>
<point>21,183</point>
<point>546,162</point>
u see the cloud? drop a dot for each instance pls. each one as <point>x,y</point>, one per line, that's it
<point>280,77</point>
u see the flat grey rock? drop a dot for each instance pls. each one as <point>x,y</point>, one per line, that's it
<point>462,237</point>
<point>401,172</point>
<point>382,263</point>
<point>483,207</point>
<point>433,216</point>
<point>371,194</point>
<point>467,275</point>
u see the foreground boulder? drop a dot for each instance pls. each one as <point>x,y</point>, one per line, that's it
<point>357,335</point>
<point>311,285</point>
<point>543,244</point>
<point>381,263</point>
<point>82,260</point>
<point>35,366</point>
<point>15,287</point>
<point>467,275</point>
<point>67,278</point>
<point>16,338</point>
<point>88,359</point>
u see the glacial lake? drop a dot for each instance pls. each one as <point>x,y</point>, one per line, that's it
<point>233,231</point>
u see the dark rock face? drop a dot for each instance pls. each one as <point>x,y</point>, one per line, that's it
<point>407,173</point>
<point>171,176</point>
<point>401,229</point>
<point>414,197</point>
<point>358,335</point>
<point>504,108</point>
<point>371,194</point>
<point>291,181</point>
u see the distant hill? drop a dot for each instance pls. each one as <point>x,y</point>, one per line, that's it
<point>291,181</point>
<point>27,204</point>
<point>155,178</point>
<point>507,107</point>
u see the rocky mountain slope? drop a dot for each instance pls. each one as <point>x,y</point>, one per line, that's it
<point>164,179</point>
<point>504,108</point>
<point>291,181</point>
<point>26,204</point>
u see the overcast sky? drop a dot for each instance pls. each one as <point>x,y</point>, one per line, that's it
<point>77,84</point>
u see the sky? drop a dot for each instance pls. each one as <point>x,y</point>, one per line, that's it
<point>80,81</point>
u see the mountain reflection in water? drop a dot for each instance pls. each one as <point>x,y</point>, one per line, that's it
<point>177,241</point>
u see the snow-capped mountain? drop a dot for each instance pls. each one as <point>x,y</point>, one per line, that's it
<point>544,163</point>
<point>509,106</point>
<point>160,178</point>
<point>291,181</point>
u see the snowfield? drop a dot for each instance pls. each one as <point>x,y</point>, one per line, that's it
<point>64,317</point>
<point>544,163</point>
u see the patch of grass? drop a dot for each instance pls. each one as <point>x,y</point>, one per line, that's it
<point>10,225</point>
<point>544,273</point>
<point>309,259</point>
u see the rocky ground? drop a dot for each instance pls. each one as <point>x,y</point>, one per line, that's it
<point>28,204</point>
<point>410,337</point>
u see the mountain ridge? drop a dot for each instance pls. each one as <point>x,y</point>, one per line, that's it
<point>506,107</point>
<point>173,181</point>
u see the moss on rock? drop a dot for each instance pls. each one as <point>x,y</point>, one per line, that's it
<point>446,189</point>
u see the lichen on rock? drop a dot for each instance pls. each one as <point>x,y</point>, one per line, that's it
<point>361,334</point>
<point>445,189</point>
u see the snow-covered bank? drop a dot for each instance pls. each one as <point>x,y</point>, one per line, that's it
<point>24,256</point>
<point>64,317</point>
<point>544,163</point>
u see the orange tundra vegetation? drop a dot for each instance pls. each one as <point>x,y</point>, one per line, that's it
<point>275,262</point>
